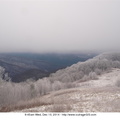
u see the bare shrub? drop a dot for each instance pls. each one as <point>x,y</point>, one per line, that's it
<point>85,78</point>
<point>12,93</point>
<point>98,71</point>
<point>57,85</point>
<point>92,75</point>
<point>69,85</point>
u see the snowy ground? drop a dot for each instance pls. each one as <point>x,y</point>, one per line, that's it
<point>101,95</point>
<point>107,79</point>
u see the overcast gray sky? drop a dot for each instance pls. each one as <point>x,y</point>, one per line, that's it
<point>59,25</point>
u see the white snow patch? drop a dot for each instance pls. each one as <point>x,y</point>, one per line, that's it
<point>107,79</point>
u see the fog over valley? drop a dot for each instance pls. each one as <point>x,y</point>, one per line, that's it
<point>59,25</point>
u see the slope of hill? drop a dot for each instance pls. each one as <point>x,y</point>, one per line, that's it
<point>100,95</point>
<point>94,85</point>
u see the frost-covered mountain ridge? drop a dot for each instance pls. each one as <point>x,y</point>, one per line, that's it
<point>97,78</point>
<point>22,66</point>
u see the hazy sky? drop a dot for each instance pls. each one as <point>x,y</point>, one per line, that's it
<point>59,25</point>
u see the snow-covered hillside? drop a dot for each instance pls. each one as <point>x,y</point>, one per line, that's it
<point>107,79</point>
<point>93,85</point>
<point>100,95</point>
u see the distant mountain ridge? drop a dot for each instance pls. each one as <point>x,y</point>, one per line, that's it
<point>22,66</point>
